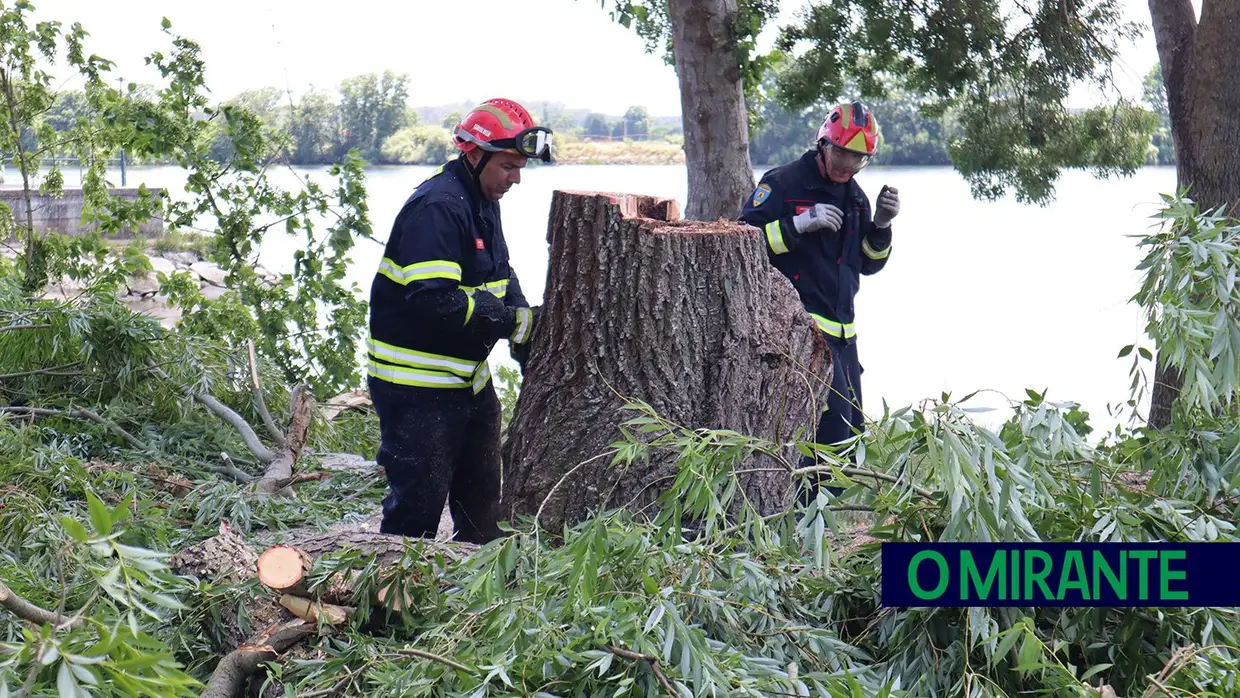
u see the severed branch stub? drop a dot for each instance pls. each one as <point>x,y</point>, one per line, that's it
<point>316,611</point>
<point>280,469</point>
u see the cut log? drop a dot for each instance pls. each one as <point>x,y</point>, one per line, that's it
<point>285,569</point>
<point>689,317</point>
<point>386,547</point>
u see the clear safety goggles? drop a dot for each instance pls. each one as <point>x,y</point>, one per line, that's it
<point>843,160</point>
<point>532,143</point>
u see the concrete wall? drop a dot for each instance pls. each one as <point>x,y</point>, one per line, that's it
<point>64,214</point>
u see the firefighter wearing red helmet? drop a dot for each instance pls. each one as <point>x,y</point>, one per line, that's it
<point>444,295</point>
<point>820,233</point>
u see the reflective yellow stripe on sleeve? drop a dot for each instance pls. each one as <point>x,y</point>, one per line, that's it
<point>499,289</point>
<point>434,269</point>
<point>525,323</point>
<point>833,328</point>
<point>873,253</point>
<point>775,237</point>
<point>481,377</point>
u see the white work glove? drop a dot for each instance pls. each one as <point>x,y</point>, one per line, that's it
<point>887,207</point>
<point>817,218</point>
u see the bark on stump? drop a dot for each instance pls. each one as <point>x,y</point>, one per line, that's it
<point>689,317</point>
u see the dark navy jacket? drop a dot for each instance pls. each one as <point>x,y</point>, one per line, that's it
<point>824,267</point>
<point>444,294</point>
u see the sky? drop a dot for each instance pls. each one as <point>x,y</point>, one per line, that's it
<point>567,51</point>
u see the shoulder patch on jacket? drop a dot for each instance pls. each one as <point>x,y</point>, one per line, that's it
<point>761,193</point>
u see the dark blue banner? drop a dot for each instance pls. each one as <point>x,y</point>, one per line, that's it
<point>1061,574</point>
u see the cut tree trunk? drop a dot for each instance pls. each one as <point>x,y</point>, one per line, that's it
<point>688,317</point>
<point>712,103</point>
<point>1199,62</point>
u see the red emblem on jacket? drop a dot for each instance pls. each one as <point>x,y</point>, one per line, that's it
<point>478,243</point>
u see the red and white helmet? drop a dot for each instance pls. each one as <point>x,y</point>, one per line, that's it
<point>851,127</point>
<point>499,125</point>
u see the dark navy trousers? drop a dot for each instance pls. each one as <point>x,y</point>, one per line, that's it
<point>437,444</point>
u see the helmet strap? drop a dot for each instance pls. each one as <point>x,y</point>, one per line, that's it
<point>477,171</point>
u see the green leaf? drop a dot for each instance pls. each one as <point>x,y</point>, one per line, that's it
<point>165,23</point>
<point>1094,670</point>
<point>1125,351</point>
<point>75,529</point>
<point>655,616</point>
<point>1010,637</point>
<point>66,684</point>
<point>99,516</point>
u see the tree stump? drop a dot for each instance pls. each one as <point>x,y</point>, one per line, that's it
<point>689,317</point>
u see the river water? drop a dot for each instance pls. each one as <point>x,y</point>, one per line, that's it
<point>996,296</point>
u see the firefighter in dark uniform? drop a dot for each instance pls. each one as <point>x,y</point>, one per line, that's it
<point>820,234</point>
<point>443,296</point>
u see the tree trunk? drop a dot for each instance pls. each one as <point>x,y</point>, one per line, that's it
<point>712,103</point>
<point>688,317</point>
<point>1199,64</point>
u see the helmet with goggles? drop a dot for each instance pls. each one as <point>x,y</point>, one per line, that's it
<point>502,125</point>
<point>852,129</point>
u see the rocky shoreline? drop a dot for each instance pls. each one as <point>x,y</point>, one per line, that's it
<point>141,293</point>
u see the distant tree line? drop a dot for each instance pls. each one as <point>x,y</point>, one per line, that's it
<point>370,113</point>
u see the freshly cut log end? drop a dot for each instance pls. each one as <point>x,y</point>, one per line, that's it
<point>283,568</point>
<point>632,205</point>
<point>687,316</point>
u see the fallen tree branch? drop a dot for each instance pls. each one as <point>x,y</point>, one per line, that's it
<point>654,666</point>
<point>862,472</point>
<point>181,484</point>
<point>280,469</point>
<point>224,412</point>
<point>130,439</point>
<point>414,652</point>
<point>78,413</point>
<point>232,471</point>
<point>228,679</point>
<point>54,370</point>
<point>31,613</point>
<point>260,404</point>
